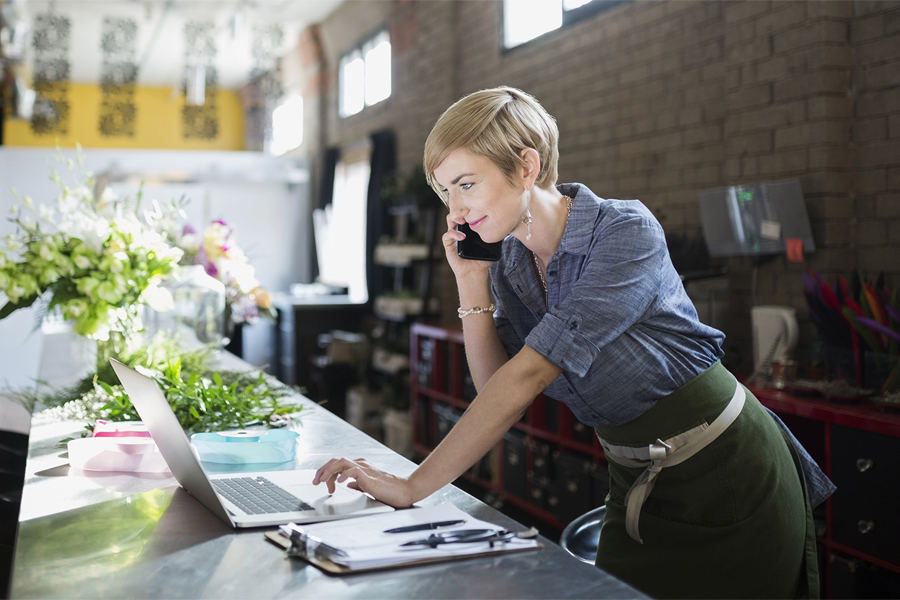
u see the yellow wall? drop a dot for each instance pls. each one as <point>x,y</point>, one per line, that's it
<point>158,123</point>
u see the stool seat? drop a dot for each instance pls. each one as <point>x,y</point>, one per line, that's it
<point>581,537</point>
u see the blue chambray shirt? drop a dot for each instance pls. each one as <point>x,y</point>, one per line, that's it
<point>621,325</point>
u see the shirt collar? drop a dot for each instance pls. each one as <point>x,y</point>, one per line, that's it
<point>580,228</point>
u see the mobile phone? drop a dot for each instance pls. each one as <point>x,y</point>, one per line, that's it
<point>474,248</point>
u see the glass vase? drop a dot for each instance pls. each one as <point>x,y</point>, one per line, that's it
<point>198,317</point>
<point>114,347</point>
<point>124,336</point>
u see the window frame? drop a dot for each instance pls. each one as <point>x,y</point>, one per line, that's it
<point>360,49</point>
<point>569,17</point>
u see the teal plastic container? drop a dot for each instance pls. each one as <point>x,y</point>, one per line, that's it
<point>243,447</point>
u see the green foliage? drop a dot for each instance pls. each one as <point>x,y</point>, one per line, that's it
<point>214,401</point>
<point>155,356</point>
<point>861,329</point>
<point>202,399</point>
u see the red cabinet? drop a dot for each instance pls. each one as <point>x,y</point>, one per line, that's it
<point>858,447</point>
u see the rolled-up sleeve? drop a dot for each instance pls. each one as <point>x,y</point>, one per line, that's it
<point>615,285</point>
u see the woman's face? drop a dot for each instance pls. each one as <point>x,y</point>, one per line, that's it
<point>478,194</point>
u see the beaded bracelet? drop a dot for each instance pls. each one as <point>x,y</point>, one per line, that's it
<point>475,311</point>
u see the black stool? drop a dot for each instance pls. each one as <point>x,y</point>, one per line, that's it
<point>581,537</point>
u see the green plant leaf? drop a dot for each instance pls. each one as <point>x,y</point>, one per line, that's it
<point>10,307</point>
<point>864,332</point>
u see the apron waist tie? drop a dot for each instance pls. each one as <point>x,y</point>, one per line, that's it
<point>668,453</point>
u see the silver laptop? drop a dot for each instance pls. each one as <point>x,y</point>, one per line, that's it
<point>242,500</point>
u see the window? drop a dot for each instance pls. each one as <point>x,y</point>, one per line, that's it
<point>524,20</point>
<point>287,125</point>
<point>365,75</point>
<point>340,228</point>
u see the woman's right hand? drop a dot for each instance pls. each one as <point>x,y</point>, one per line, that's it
<point>367,478</point>
<point>462,267</point>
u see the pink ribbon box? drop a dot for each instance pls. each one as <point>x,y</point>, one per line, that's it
<point>120,429</point>
<point>122,453</point>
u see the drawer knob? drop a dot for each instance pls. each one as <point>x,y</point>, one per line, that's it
<point>865,526</point>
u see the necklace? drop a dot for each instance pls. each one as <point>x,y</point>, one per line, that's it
<point>537,265</point>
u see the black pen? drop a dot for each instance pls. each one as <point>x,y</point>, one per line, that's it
<point>425,526</point>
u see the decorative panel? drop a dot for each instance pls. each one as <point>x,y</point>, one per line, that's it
<point>51,74</point>
<point>118,77</point>
<point>200,120</point>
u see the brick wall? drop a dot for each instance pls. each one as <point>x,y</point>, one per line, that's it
<point>658,100</point>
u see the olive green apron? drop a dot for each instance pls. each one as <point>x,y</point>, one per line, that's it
<point>732,521</point>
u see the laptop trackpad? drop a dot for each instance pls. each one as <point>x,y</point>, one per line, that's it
<point>343,501</point>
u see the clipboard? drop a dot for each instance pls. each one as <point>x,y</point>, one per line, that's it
<point>335,569</point>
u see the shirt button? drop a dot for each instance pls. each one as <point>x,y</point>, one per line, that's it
<point>552,273</point>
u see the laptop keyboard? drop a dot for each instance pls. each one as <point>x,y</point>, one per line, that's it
<point>258,496</point>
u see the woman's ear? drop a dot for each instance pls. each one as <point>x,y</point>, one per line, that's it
<point>531,166</point>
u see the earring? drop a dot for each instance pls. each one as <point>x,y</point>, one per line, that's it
<point>526,218</point>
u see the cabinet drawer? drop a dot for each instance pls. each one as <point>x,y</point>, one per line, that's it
<point>544,494</point>
<point>865,463</point>
<point>515,466</point>
<point>867,523</point>
<point>542,459</point>
<point>574,485</point>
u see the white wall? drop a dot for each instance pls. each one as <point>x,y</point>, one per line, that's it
<point>266,199</point>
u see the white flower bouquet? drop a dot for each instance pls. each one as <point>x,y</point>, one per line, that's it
<point>89,255</point>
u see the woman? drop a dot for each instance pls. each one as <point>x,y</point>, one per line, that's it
<point>706,496</point>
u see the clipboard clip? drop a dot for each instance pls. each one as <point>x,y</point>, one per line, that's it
<point>304,545</point>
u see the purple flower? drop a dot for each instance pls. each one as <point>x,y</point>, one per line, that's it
<point>188,229</point>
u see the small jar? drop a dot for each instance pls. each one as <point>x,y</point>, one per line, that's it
<point>783,371</point>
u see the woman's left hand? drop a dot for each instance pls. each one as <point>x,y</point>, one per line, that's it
<point>381,485</point>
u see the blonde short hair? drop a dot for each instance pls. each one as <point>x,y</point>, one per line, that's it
<point>497,124</point>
